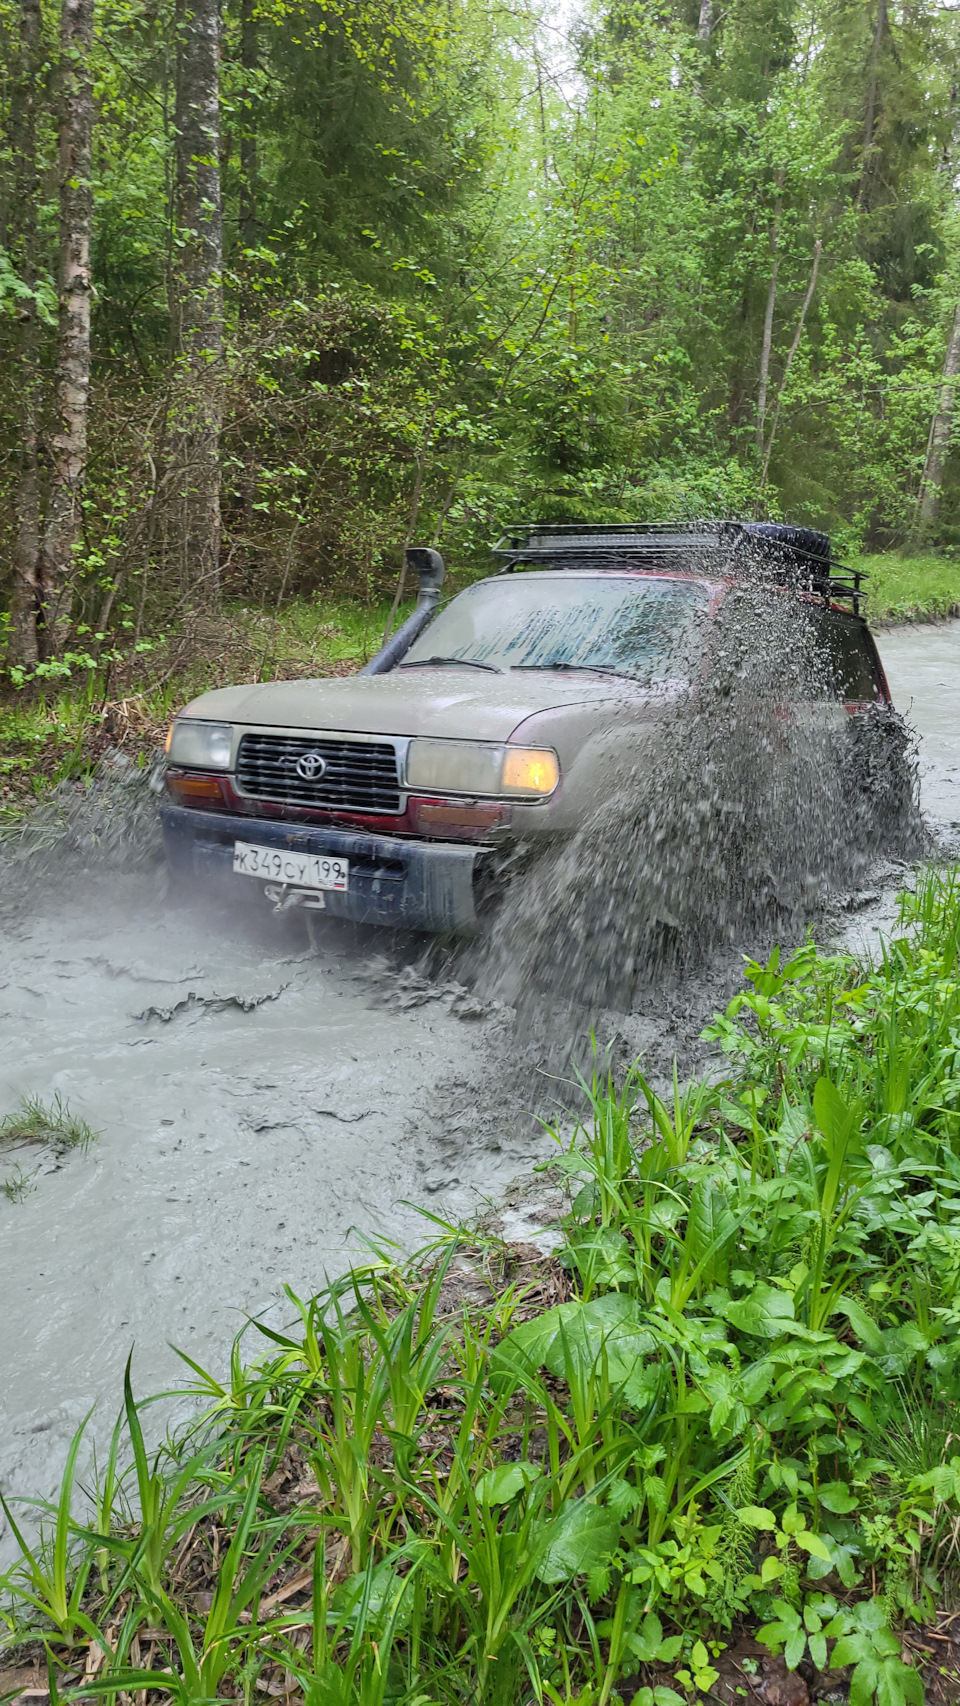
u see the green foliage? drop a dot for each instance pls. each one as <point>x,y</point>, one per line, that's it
<point>460,285</point>
<point>911,586</point>
<point>36,1122</point>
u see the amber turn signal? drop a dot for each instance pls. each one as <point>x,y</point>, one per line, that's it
<point>526,771</point>
<point>456,820</point>
<point>203,791</point>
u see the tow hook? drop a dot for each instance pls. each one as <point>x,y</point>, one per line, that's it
<point>284,898</point>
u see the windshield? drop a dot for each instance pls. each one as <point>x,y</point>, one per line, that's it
<point>617,624</point>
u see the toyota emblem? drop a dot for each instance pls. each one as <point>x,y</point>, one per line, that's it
<point>310,766</point>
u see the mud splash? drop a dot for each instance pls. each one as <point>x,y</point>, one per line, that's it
<point>737,820</point>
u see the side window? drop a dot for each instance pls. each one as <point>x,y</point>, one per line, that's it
<point>854,676</point>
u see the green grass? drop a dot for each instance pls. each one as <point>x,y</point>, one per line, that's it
<point>312,634</point>
<point>52,1123</point>
<point>18,1186</point>
<point>36,1122</point>
<point>727,1405</point>
<point>910,587</point>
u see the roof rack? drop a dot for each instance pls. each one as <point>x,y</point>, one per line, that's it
<point>798,556</point>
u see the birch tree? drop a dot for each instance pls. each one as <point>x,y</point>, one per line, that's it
<point>26,603</point>
<point>68,444</point>
<point>198,290</point>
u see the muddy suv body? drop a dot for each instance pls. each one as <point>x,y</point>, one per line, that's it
<point>498,721</point>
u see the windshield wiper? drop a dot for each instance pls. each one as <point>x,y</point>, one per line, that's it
<point>590,668</point>
<point>468,663</point>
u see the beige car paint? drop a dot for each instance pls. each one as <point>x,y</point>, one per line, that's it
<point>598,726</point>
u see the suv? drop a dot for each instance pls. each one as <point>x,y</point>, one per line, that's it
<point>495,722</point>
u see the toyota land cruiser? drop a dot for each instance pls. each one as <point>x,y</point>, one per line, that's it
<point>498,718</point>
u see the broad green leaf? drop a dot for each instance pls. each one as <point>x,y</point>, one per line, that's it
<point>813,1544</point>
<point>710,1223</point>
<point>818,1650</point>
<point>755,1381</point>
<point>582,1537</point>
<point>603,1256</point>
<point>795,1648</point>
<point>755,1517</point>
<point>830,1111</point>
<point>863,1683</point>
<point>850,1650</point>
<point>651,1629</point>
<point>498,1486</point>
<point>766,1313</point>
<point>898,1682</point>
<point>611,1324</point>
<point>837,1497</point>
<point>863,1324</point>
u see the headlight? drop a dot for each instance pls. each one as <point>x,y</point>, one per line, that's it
<point>200,746</point>
<point>468,767</point>
<point>526,770</point>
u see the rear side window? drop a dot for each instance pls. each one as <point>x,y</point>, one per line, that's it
<point>851,658</point>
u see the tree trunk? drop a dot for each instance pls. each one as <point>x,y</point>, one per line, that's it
<point>23,127</point>
<point>69,443</point>
<point>798,334</point>
<point>767,343</point>
<point>198,309</point>
<point>249,163</point>
<point>881,30</point>
<point>705,23</point>
<point>941,427</point>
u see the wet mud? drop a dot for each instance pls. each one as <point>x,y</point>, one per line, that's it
<point>263,1106</point>
<point>266,1102</point>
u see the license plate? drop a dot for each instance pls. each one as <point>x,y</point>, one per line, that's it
<point>280,865</point>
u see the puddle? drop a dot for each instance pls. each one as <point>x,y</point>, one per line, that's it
<point>262,1106</point>
<point>258,1110</point>
<point>923,669</point>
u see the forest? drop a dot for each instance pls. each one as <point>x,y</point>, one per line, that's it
<point>288,284</point>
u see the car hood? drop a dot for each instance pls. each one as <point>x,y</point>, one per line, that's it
<point>457,703</point>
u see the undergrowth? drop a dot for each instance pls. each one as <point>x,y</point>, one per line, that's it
<point>915,588</point>
<point>55,728</point>
<point>726,1405</point>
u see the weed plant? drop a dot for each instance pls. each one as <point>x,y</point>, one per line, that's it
<point>51,1125</point>
<point>727,1405</point>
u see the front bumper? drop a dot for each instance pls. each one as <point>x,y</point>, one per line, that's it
<point>413,885</point>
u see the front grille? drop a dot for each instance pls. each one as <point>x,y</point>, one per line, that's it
<point>357,775</point>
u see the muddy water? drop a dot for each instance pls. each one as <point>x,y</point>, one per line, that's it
<point>923,669</point>
<point>260,1106</point>
<point>258,1110</point>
